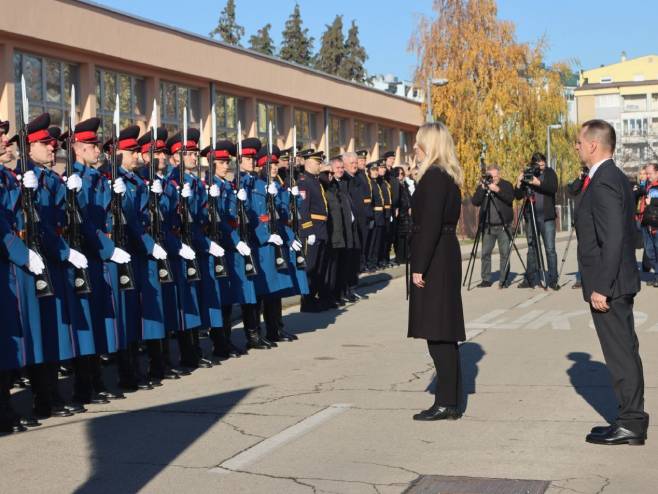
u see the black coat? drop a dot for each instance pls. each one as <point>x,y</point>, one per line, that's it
<point>404,209</point>
<point>605,227</point>
<point>547,188</point>
<point>436,311</point>
<point>504,200</point>
<point>350,214</point>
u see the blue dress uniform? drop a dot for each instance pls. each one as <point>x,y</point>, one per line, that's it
<point>314,215</point>
<point>181,303</point>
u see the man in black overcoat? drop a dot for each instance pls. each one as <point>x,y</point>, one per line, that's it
<point>605,227</point>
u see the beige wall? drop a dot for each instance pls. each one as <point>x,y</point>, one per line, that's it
<point>586,109</point>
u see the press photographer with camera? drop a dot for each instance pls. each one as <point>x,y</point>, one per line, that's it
<point>499,216</point>
<point>650,220</point>
<point>539,184</point>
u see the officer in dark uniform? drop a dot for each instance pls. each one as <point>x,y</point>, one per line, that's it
<point>314,215</point>
<point>394,185</point>
<point>367,220</point>
<point>378,224</point>
<point>387,234</point>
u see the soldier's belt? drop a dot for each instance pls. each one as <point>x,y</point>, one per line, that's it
<point>367,201</point>
<point>387,207</point>
<point>306,225</point>
<point>319,217</point>
<point>378,208</point>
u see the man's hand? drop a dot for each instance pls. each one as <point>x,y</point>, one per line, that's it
<point>535,182</point>
<point>519,179</point>
<point>647,200</point>
<point>494,188</point>
<point>417,279</point>
<point>599,302</point>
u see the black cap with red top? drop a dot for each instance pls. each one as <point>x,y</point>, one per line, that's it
<point>160,141</point>
<point>261,157</point>
<point>175,143</point>
<point>251,146</point>
<point>126,141</point>
<point>223,150</point>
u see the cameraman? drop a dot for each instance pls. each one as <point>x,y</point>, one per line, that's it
<point>540,182</point>
<point>502,196</point>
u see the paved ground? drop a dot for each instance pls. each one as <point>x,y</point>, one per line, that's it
<point>331,413</point>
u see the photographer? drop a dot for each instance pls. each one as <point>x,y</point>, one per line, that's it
<point>650,220</point>
<point>501,200</point>
<point>540,184</point>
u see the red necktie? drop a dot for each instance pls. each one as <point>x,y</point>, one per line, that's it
<point>586,183</point>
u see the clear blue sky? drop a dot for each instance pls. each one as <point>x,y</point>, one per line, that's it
<point>593,32</point>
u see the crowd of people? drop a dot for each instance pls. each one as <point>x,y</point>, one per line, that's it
<point>138,245</point>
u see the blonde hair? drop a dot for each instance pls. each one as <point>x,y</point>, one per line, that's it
<point>439,148</point>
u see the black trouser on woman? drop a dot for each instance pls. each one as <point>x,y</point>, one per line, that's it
<point>445,355</point>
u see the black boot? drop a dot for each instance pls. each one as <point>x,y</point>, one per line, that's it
<point>254,340</point>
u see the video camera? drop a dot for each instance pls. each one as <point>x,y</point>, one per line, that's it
<point>529,172</point>
<point>486,179</point>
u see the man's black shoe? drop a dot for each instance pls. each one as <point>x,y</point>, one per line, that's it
<point>204,363</point>
<point>485,284</point>
<point>254,340</point>
<point>29,422</point>
<point>74,408</point>
<point>525,284</point>
<point>170,374</point>
<point>310,305</point>
<point>291,336</point>
<point>554,286</point>
<point>92,399</point>
<point>11,427</point>
<point>112,396</point>
<point>601,429</point>
<point>617,435</point>
<point>438,413</point>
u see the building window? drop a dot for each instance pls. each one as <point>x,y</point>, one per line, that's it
<point>607,101</point>
<point>385,140</point>
<point>132,100</point>
<point>173,99</point>
<point>229,110</point>
<point>361,135</point>
<point>48,86</point>
<point>337,135</point>
<point>407,147</point>
<point>270,112</point>
<point>606,80</point>
<point>306,128</point>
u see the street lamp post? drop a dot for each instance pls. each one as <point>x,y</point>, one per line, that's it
<point>548,140</point>
<point>429,117</point>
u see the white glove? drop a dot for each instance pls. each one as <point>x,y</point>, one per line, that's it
<point>35,263</point>
<point>77,258</point>
<point>295,191</point>
<point>156,186</point>
<point>242,195</point>
<point>158,252</point>
<point>186,252</point>
<point>352,217</point>
<point>30,180</point>
<point>119,186</point>
<point>275,239</point>
<point>272,190</point>
<point>296,245</point>
<point>187,191</point>
<point>311,240</point>
<point>74,182</point>
<point>243,249</point>
<point>391,219</point>
<point>120,256</point>
<point>214,190</point>
<point>215,250</point>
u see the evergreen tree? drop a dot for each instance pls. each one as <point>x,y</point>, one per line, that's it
<point>332,51</point>
<point>262,41</point>
<point>355,56</point>
<point>229,30</point>
<point>296,44</point>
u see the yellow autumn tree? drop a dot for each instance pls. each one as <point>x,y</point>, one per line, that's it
<point>499,91</point>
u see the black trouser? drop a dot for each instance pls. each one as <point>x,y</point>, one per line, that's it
<point>189,347</point>
<point>82,380</point>
<point>352,267</point>
<point>7,414</point>
<point>491,235</point>
<point>401,247</point>
<point>40,376</point>
<point>155,351</point>
<point>128,364</point>
<point>374,245</point>
<point>445,355</point>
<point>271,309</point>
<point>250,316</point>
<point>616,331</point>
<point>332,273</point>
<point>315,268</point>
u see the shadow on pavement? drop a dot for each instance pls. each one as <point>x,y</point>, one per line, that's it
<point>130,448</point>
<point>470,354</point>
<point>591,380</point>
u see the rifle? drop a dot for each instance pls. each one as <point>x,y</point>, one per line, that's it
<point>42,282</point>
<point>164,269</point>
<point>126,276</point>
<point>81,283</point>
<point>213,215</point>
<point>191,265</point>
<point>300,259</point>
<point>280,260</point>
<point>243,220</point>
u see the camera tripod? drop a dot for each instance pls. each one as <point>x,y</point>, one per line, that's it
<point>566,253</point>
<point>482,224</point>
<point>536,241</point>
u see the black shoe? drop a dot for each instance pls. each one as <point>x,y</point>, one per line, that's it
<point>29,422</point>
<point>22,382</point>
<point>554,286</point>
<point>181,371</point>
<point>170,374</point>
<point>112,396</point>
<point>128,387</point>
<point>328,304</point>
<point>502,286</point>
<point>601,429</point>
<point>155,382</point>
<point>485,284</point>
<point>55,411</point>
<point>270,344</point>
<point>577,285</point>
<point>362,295</point>
<point>92,399</point>
<point>254,340</point>
<point>617,435</point>
<point>438,413</point>
<point>310,305</point>
<point>11,427</point>
<point>74,408</point>
<point>526,284</point>
<point>288,336</point>
<point>204,363</point>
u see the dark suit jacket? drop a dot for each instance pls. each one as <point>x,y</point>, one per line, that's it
<point>605,228</point>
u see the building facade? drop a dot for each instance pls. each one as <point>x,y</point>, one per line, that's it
<point>626,95</point>
<point>57,43</point>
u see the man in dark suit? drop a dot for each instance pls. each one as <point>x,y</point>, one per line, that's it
<point>606,260</point>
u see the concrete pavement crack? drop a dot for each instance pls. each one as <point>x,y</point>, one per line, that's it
<point>241,431</point>
<point>394,467</point>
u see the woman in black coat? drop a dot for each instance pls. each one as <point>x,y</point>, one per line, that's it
<point>435,303</point>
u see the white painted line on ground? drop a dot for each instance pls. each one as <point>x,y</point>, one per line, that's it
<point>263,448</point>
<point>533,300</point>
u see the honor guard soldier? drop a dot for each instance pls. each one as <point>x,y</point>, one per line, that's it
<point>368,218</point>
<point>142,307</point>
<point>394,185</point>
<point>150,271</point>
<point>181,302</point>
<point>234,288</point>
<point>93,200</point>
<point>314,215</point>
<point>387,234</point>
<point>20,334</point>
<point>378,224</point>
